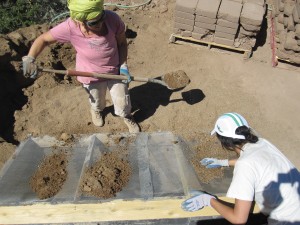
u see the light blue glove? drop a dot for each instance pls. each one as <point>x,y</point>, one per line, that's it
<point>198,201</point>
<point>214,163</point>
<point>124,71</point>
<point>30,69</point>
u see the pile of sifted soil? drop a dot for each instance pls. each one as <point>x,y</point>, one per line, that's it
<point>50,175</point>
<point>103,179</point>
<point>107,176</point>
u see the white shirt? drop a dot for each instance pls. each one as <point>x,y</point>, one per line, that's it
<point>262,173</point>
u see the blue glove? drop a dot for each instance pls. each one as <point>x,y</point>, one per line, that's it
<point>214,163</point>
<point>124,71</point>
<point>30,69</point>
<point>198,201</point>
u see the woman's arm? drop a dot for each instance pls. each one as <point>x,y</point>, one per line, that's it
<point>40,43</point>
<point>216,163</point>
<point>235,213</point>
<point>122,48</point>
<point>231,162</point>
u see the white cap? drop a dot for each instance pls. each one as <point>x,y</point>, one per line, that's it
<point>228,123</point>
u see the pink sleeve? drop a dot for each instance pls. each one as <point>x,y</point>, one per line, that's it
<point>62,32</point>
<point>118,24</point>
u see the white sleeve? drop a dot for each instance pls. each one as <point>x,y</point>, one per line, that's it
<point>243,182</point>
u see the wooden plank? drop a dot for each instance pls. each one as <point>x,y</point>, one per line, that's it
<point>117,210</point>
<point>247,52</point>
<point>287,65</point>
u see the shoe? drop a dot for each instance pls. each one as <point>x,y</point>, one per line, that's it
<point>97,118</point>
<point>133,127</point>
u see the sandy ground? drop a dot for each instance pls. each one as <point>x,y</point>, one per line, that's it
<point>221,81</point>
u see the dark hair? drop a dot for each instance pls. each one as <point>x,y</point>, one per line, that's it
<point>232,143</point>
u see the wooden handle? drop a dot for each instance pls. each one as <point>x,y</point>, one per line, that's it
<point>98,75</point>
<point>104,76</point>
<point>86,74</point>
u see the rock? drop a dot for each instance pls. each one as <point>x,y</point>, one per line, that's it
<point>66,137</point>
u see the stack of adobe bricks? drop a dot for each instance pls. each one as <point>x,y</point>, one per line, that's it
<point>227,22</point>
<point>251,18</point>
<point>286,15</point>
<point>185,17</point>
<point>206,17</point>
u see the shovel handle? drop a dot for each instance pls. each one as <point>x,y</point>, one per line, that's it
<point>98,75</point>
<point>86,74</point>
<point>105,76</point>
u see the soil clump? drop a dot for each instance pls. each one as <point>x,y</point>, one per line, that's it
<point>177,79</point>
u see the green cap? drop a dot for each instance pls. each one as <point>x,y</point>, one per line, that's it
<point>82,10</point>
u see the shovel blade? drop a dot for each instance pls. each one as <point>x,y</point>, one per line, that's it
<point>176,80</point>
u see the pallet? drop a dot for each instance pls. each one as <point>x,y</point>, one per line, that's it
<point>246,52</point>
<point>278,60</point>
<point>286,64</point>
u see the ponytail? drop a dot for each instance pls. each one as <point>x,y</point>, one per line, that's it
<point>233,143</point>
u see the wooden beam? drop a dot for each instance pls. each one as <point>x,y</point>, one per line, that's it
<point>117,210</point>
<point>247,52</point>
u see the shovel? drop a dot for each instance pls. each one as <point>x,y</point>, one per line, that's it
<point>172,81</point>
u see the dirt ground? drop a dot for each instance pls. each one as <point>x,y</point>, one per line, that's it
<point>221,81</point>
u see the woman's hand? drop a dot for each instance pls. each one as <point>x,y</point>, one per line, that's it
<point>124,71</point>
<point>214,163</point>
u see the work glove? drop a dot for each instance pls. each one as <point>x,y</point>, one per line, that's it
<point>30,69</point>
<point>198,201</point>
<point>124,71</point>
<point>214,163</point>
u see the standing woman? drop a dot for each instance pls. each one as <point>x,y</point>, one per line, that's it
<point>98,37</point>
<point>261,174</point>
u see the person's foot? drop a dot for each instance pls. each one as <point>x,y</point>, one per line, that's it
<point>133,127</point>
<point>97,118</point>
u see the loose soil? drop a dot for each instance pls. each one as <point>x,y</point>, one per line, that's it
<point>106,177</point>
<point>209,147</point>
<point>50,176</point>
<point>177,79</point>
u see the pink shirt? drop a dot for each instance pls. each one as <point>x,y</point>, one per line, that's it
<point>98,54</point>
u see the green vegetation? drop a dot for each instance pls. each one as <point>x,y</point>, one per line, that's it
<point>15,14</point>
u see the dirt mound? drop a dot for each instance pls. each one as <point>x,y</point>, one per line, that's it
<point>107,176</point>
<point>50,176</point>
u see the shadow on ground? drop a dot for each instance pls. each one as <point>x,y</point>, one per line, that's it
<point>148,97</point>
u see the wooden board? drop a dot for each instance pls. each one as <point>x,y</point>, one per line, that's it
<point>246,53</point>
<point>117,210</point>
